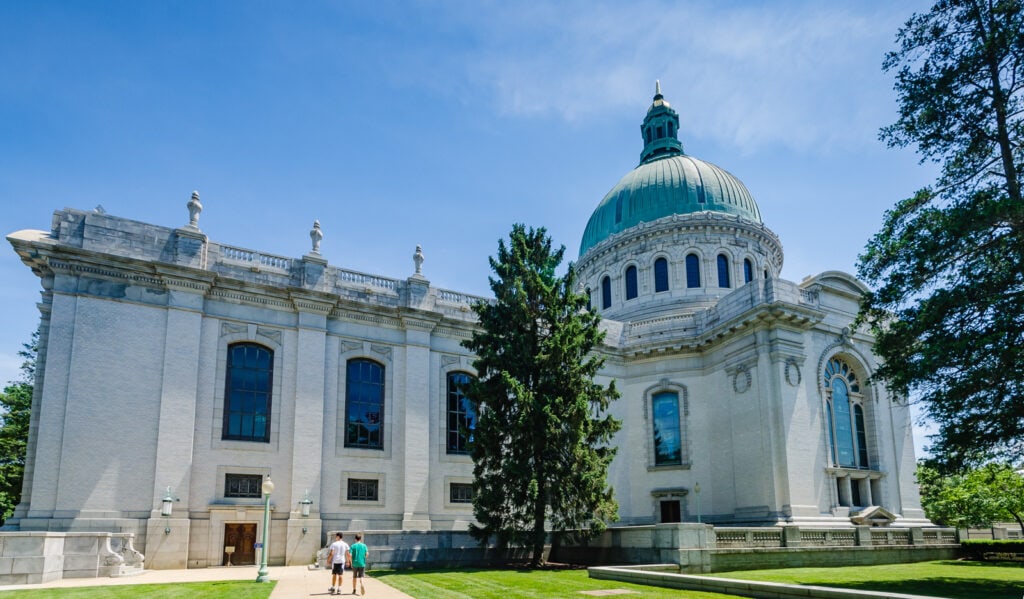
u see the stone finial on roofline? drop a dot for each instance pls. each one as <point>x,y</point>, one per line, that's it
<point>316,235</point>
<point>194,209</point>
<point>417,259</point>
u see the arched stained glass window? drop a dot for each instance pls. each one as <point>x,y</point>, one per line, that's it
<point>660,275</point>
<point>461,414</point>
<point>364,404</point>
<point>606,293</point>
<point>692,271</point>
<point>845,412</point>
<point>748,270</point>
<point>668,442</point>
<point>631,283</point>
<point>247,393</point>
<point>723,271</point>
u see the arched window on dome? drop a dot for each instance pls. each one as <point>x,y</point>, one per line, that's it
<point>723,271</point>
<point>844,408</point>
<point>631,282</point>
<point>660,132</point>
<point>660,275</point>
<point>590,299</point>
<point>606,293</point>
<point>647,135</point>
<point>748,270</point>
<point>692,271</point>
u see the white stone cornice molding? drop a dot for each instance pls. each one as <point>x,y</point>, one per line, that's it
<point>321,304</point>
<point>424,322</point>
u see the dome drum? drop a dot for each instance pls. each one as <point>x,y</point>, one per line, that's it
<point>705,256</point>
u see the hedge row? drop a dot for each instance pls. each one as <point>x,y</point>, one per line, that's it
<point>987,550</point>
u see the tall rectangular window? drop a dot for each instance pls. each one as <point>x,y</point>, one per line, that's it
<point>461,415</point>
<point>364,404</point>
<point>243,485</point>
<point>247,393</point>
<point>668,442</point>
<point>606,293</point>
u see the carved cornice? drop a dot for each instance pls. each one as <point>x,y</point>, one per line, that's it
<point>321,304</point>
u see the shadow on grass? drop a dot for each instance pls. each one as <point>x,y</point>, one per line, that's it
<point>951,588</point>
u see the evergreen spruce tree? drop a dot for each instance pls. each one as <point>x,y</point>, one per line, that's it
<point>948,263</point>
<point>540,446</point>
<point>15,411</point>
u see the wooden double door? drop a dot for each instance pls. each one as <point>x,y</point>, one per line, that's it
<point>241,536</point>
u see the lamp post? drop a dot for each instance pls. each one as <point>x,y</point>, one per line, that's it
<point>268,488</point>
<point>696,491</point>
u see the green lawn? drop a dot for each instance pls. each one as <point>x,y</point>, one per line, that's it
<point>953,579</point>
<point>509,584</point>
<point>227,589</point>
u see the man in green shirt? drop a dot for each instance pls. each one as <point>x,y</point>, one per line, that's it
<point>358,552</point>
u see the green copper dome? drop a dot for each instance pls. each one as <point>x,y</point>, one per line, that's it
<point>666,182</point>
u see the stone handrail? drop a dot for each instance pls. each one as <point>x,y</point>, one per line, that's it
<point>353,277</point>
<point>254,258</point>
<point>455,297</point>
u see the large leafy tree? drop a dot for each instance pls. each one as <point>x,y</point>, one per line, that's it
<point>15,409</point>
<point>973,498</point>
<point>540,447</point>
<point>948,262</point>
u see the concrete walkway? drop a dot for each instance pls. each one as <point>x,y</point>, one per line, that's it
<point>292,581</point>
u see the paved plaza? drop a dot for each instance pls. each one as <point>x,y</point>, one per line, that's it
<point>292,581</point>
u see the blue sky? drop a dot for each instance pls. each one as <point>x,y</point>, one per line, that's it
<point>435,123</point>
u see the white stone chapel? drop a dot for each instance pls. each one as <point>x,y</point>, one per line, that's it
<point>173,366</point>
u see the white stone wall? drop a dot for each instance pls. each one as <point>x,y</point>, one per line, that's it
<point>135,366</point>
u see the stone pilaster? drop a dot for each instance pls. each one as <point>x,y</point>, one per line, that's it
<point>175,433</point>
<point>415,425</point>
<point>303,534</point>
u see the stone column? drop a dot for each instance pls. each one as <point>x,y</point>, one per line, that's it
<point>865,492</point>
<point>845,492</point>
<point>179,384</point>
<point>303,537</point>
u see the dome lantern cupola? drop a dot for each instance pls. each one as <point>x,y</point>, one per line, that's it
<point>660,129</point>
<point>667,182</point>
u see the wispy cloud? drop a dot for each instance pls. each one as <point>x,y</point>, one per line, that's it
<point>800,75</point>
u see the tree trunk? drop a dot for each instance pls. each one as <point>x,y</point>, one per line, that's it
<point>537,560</point>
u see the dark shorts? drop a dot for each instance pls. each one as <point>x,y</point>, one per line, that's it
<point>358,572</point>
<point>338,568</point>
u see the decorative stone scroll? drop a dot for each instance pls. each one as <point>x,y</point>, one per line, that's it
<point>381,350</point>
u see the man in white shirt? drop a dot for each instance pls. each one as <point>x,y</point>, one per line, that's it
<point>338,556</point>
